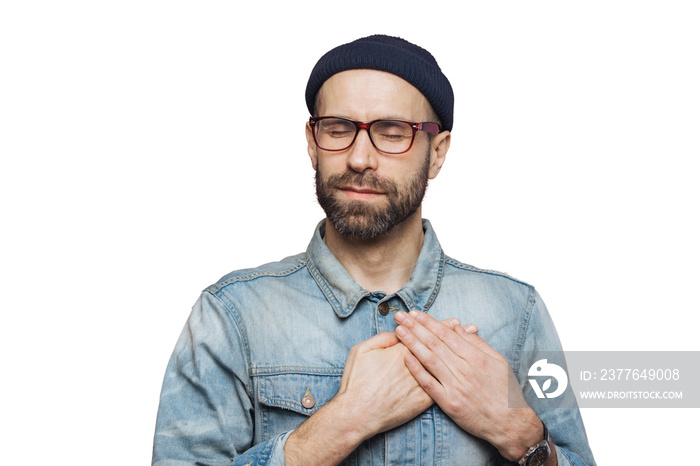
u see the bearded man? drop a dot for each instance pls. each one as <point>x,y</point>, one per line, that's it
<point>373,346</point>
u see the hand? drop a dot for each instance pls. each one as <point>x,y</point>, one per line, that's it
<point>470,382</point>
<point>378,385</point>
<point>377,393</point>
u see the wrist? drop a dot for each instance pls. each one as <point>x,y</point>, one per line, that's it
<point>348,420</point>
<point>526,432</point>
<point>327,437</point>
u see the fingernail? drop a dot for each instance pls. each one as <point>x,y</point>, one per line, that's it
<point>414,313</point>
<point>400,331</point>
<point>400,316</point>
<point>471,328</point>
<point>455,323</point>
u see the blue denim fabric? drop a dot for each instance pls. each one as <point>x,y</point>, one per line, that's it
<point>259,338</point>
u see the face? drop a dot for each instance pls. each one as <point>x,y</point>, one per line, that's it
<point>366,193</point>
<point>351,201</point>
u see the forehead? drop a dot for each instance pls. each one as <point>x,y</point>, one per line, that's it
<point>370,95</point>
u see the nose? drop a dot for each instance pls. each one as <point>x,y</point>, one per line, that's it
<point>362,156</point>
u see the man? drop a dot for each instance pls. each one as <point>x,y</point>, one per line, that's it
<point>355,351</point>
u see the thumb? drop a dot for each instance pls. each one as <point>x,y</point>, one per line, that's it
<point>380,341</point>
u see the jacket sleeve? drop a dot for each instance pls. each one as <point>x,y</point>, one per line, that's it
<point>561,413</point>
<point>205,416</point>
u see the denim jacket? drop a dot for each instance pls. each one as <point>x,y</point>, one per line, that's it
<point>260,340</point>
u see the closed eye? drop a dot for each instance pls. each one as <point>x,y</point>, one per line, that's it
<point>340,134</point>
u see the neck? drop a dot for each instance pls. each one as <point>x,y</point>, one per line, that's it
<point>384,263</point>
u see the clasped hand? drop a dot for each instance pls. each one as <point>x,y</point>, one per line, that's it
<point>393,377</point>
<point>466,377</point>
<point>377,381</point>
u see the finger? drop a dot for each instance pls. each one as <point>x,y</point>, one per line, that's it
<point>481,344</point>
<point>456,325</point>
<point>468,332</point>
<point>464,330</point>
<point>452,322</point>
<point>427,328</point>
<point>427,382</point>
<point>433,354</point>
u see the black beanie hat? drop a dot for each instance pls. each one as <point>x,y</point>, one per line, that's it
<point>393,55</point>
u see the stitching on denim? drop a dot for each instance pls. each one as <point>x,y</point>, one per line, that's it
<point>265,453</point>
<point>328,292</point>
<point>322,284</point>
<point>386,448</point>
<point>246,350</point>
<point>264,413</point>
<point>286,404</point>
<point>414,430</point>
<point>354,301</point>
<point>438,282</point>
<point>240,328</point>
<point>293,404</point>
<point>406,299</point>
<point>215,288</point>
<point>282,370</point>
<point>522,331</point>
<point>471,268</point>
<point>411,303</point>
<point>437,422</point>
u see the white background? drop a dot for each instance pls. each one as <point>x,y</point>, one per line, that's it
<point>148,148</point>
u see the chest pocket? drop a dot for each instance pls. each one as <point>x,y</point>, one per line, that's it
<point>288,399</point>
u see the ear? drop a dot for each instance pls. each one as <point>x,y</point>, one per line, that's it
<point>438,151</point>
<point>311,146</point>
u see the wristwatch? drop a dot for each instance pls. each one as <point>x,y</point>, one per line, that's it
<point>537,455</point>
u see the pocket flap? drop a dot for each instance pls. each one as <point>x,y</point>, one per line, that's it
<point>289,389</point>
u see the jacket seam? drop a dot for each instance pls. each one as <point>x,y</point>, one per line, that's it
<point>524,326</point>
<point>283,403</point>
<point>282,370</point>
<point>255,275</point>
<point>244,341</point>
<point>471,268</point>
<point>438,282</point>
<point>238,324</point>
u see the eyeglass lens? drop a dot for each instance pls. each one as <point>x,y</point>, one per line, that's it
<point>387,135</point>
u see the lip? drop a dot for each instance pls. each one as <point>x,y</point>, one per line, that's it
<point>353,192</point>
<point>360,190</point>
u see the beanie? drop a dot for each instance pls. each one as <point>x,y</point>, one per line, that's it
<point>393,55</point>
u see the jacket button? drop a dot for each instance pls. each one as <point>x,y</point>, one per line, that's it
<point>383,308</point>
<point>308,401</point>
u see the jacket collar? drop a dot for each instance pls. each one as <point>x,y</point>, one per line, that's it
<point>343,293</point>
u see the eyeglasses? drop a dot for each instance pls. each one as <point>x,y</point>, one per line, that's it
<point>388,136</point>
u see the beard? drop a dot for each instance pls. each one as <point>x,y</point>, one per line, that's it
<point>358,219</point>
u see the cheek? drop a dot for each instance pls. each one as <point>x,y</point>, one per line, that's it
<point>419,163</point>
<point>330,163</point>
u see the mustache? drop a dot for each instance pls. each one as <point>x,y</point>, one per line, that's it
<point>360,180</point>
